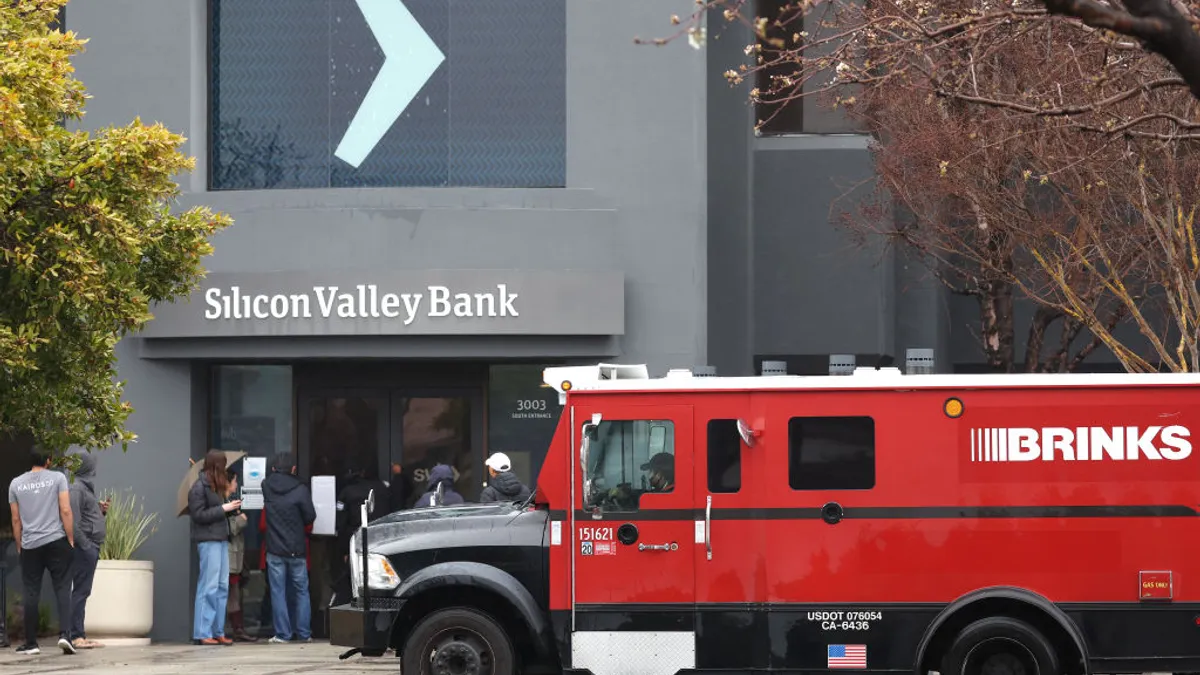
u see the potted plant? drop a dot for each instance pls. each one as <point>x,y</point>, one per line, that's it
<point>120,610</point>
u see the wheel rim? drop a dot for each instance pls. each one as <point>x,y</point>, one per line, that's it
<point>1000,656</point>
<point>460,651</point>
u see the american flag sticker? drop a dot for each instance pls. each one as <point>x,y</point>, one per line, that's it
<point>846,656</point>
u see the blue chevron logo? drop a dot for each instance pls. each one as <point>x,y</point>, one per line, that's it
<point>410,59</point>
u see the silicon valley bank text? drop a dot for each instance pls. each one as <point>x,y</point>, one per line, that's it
<point>364,301</point>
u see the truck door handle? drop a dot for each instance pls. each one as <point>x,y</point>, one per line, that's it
<point>658,547</point>
<point>708,526</point>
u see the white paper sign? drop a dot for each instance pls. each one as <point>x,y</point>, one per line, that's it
<point>254,470</point>
<point>324,496</point>
<point>556,533</point>
<point>252,500</point>
<point>699,531</point>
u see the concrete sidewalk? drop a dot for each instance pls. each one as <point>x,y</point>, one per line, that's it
<point>242,659</point>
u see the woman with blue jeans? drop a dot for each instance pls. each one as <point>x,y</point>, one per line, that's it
<point>210,515</point>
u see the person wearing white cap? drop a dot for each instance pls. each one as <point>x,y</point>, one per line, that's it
<point>503,485</point>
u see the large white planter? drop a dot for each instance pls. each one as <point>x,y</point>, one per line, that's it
<point>120,610</point>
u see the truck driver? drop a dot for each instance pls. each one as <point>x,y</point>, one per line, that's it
<point>662,472</point>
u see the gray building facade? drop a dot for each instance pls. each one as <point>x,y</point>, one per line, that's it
<point>548,193</point>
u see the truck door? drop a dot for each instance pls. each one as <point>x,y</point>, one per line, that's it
<point>633,539</point>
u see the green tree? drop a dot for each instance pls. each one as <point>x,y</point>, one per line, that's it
<point>89,239</point>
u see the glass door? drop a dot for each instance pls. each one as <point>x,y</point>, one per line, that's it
<point>338,429</point>
<point>437,427</point>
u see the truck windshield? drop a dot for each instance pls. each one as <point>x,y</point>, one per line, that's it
<point>628,458</point>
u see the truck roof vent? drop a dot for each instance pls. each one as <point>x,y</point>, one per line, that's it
<point>679,372</point>
<point>704,371</point>
<point>774,368</point>
<point>918,362</point>
<point>841,364</point>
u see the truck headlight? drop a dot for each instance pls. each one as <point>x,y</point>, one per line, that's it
<point>381,576</point>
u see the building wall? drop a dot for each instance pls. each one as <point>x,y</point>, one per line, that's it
<point>634,201</point>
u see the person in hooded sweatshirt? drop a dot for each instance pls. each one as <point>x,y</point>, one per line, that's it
<point>89,513</point>
<point>503,485</point>
<point>440,475</point>
<point>289,511</point>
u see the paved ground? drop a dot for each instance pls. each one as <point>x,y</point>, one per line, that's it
<point>255,659</point>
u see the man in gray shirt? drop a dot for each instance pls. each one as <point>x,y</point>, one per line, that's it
<point>45,534</point>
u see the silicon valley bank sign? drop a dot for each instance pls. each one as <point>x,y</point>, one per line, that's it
<point>365,301</point>
<point>397,302</point>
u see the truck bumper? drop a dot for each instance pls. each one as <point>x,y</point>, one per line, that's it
<point>347,628</point>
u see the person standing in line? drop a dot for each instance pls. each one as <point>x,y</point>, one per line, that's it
<point>442,475</point>
<point>237,571</point>
<point>210,515</point>
<point>289,511</point>
<point>89,515</point>
<point>44,531</point>
<point>503,485</point>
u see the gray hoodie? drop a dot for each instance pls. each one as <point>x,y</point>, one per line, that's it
<point>90,528</point>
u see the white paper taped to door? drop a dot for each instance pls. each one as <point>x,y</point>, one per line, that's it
<point>324,496</point>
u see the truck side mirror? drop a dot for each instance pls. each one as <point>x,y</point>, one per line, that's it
<point>439,496</point>
<point>746,432</point>
<point>370,503</point>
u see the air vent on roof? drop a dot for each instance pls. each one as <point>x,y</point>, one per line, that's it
<point>772,368</point>
<point>841,364</point>
<point>919,362</point>
<point>704,371</point>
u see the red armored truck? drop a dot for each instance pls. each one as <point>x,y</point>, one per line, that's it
<point>963,524</point>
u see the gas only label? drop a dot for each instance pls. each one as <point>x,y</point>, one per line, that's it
<point>846,619</point>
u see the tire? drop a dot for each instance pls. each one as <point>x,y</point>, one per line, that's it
<point>1000,645</point>
<point>459,641</point>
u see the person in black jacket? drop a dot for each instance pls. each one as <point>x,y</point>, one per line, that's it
<point>210,530</point>
<point>503,485</point>
<point>289,510</point>
<point>360,481</point>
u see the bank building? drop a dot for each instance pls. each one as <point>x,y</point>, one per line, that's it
<point>416,237</point>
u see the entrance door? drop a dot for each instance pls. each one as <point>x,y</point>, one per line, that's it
<point>633,539</point>
<point>379,428</point>
<point>437,427</point>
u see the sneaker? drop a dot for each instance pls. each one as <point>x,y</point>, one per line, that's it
<point>276,640</point>
<point>65,645</point>
<point>28,649</point>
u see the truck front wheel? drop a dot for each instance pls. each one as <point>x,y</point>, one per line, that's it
<point>457,641</point>
<point>1000,645</point>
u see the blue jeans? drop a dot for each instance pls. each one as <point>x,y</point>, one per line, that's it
<point>289,597</point>
<point>212,590</point>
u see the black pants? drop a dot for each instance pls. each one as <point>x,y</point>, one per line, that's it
<point>81,587</point>
<point>57,556</point>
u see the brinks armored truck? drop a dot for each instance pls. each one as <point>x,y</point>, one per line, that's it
<point>878,522</point>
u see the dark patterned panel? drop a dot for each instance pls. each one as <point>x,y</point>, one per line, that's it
<point>270,104</point>
<point>287,83</point>
<point>508,122</point>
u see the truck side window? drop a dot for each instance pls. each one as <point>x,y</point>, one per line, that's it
<point>724,456</point>
<point>628,458</point>
<point>831,453</point>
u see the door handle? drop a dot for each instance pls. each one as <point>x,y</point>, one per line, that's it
<point>658,547</point>
<point>708,526</point>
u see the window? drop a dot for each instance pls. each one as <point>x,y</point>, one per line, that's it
<point>288,95</point>
<point>831,453</point>
<point>522,416</point>
<point>724,456</point>
<point>627,459</point>
<point>811,114</point>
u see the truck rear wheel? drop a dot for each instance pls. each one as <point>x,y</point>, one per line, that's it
<point>1000,645</point>
<point>457,641</point>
